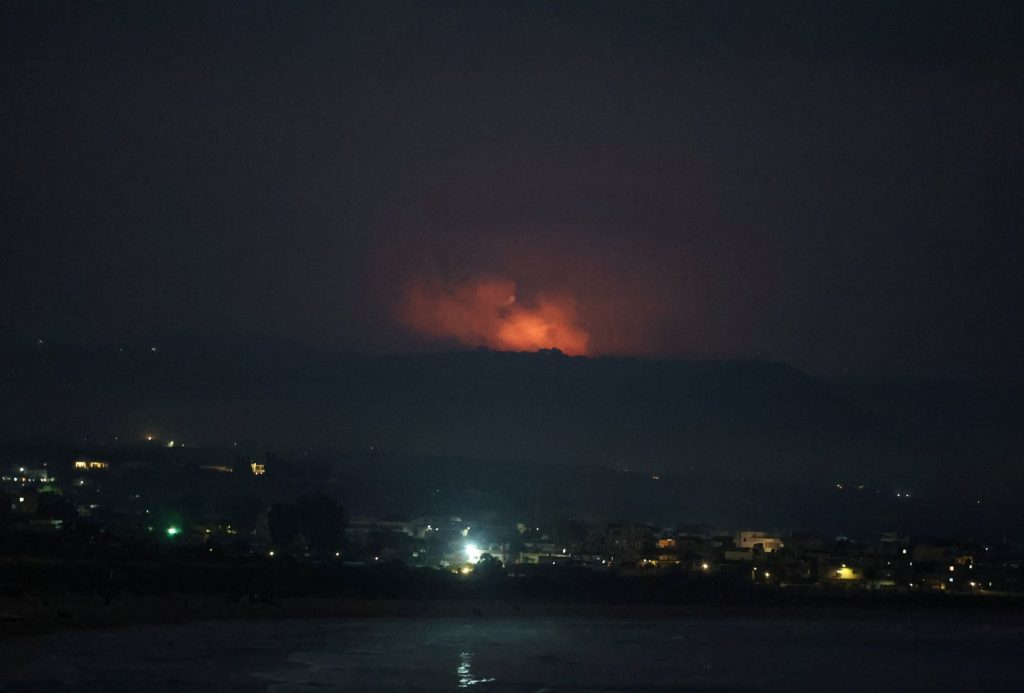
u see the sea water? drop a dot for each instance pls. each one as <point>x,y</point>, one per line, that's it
<point>522,654</point>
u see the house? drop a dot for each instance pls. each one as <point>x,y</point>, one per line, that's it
<point>748,539</point>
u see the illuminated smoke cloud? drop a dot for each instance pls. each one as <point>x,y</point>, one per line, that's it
<point>485,312</point>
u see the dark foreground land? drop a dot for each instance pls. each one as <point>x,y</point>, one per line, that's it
<point>286,627</point>
<point>43,595</point>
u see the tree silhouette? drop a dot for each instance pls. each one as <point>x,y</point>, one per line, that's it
<point>315,518</point>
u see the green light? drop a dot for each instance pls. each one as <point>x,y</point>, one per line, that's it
<point>171,531</point>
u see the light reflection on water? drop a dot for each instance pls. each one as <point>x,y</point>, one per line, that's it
<point>762,655</point>
<point>465,672</point>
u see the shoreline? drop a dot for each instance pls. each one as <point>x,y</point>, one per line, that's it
<point>38,616</point>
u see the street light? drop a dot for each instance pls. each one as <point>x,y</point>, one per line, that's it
<point>473,553</point>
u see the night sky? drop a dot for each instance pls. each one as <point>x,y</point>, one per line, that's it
<point>838,186</point>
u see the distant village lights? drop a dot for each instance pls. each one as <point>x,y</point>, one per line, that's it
<point>110,489</point>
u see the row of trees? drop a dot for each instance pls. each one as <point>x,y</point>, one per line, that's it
<point>314,521</point>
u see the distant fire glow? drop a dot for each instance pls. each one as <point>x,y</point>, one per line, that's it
<point>487,312</point>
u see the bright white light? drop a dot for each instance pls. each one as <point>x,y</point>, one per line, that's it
<point>473,553</point>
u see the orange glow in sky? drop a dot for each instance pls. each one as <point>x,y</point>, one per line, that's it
<point>486,312</point>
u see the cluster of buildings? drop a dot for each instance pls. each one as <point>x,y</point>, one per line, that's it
<point>44,498</point>
<point>124,496</point>
<point>890,562</point>
<point>30,499</point>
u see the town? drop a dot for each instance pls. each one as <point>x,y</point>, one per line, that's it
<point>234,503</point>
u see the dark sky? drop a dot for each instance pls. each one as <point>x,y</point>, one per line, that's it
<point>835,185</point>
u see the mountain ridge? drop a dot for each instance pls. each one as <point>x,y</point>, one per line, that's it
<point>727,418</point>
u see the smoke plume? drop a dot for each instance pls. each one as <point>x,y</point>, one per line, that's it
<point>486,312</point>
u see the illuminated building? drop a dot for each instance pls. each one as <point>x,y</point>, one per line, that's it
<point>91,464</point>
<point>753,540</point>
